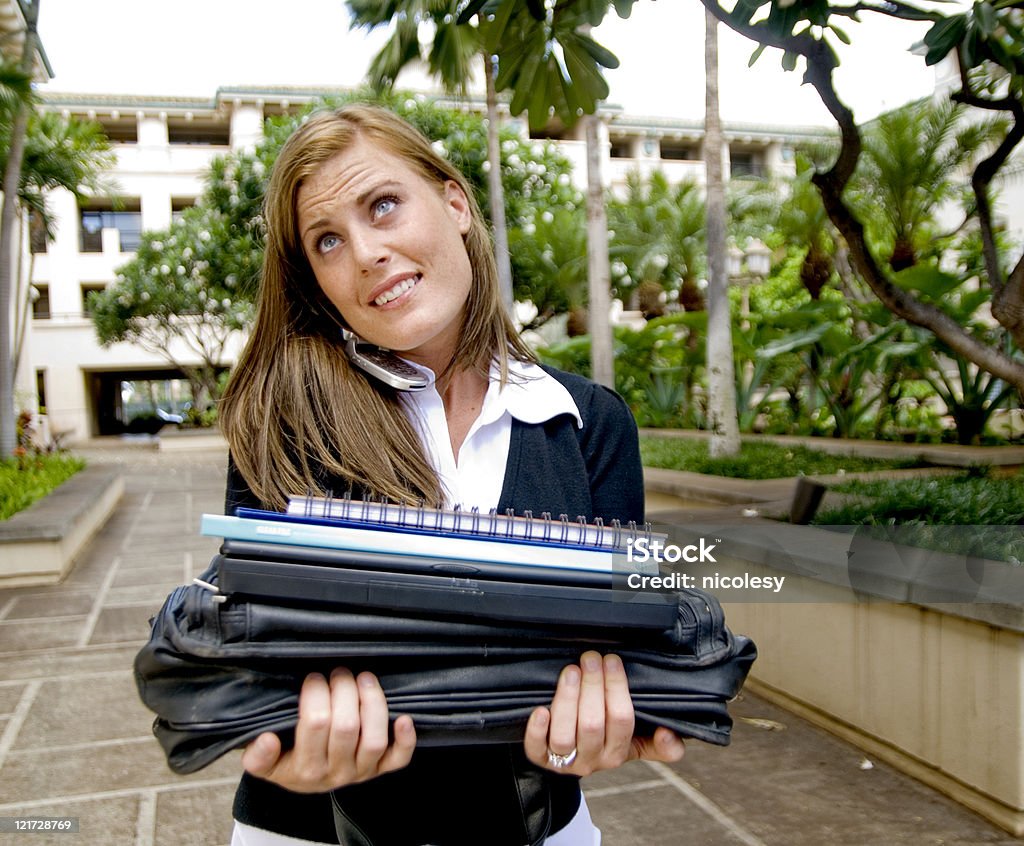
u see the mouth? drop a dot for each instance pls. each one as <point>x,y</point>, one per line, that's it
<point>397,289</point>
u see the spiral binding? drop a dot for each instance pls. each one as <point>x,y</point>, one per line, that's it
<point>474,522</point>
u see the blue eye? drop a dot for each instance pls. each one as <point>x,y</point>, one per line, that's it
<point>384,206</point>
<point>327,243</point>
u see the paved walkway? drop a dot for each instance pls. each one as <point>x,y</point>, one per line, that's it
<point>76,742</point>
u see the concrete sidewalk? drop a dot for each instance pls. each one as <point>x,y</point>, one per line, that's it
<point>75,740</point>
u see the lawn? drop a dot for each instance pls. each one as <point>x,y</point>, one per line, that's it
<point>29,478</point>
<point>758,460</point>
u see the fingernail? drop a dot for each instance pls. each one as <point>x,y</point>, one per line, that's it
<point>613,665</point>
<point>591,662</point>
<point>572,676</point>
<point>366,680</point>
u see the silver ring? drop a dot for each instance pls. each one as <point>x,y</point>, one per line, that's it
<point>558,761</point>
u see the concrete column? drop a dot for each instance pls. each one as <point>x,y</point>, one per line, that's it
<point>246,126</point>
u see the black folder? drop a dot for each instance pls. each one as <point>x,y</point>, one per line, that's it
<point>547,596</point>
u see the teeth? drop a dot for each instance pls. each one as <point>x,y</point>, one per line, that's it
<point>397,291</point>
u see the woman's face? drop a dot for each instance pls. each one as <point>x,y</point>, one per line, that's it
<point>386,246</point>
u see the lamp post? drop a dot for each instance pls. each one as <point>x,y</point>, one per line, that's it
<point>748,267</point>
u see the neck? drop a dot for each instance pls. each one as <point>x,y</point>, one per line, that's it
<point>462,392</point>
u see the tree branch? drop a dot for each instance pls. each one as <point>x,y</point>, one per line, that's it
<point>821,63</point>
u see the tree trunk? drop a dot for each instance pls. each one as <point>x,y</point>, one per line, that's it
<point>721,418</point>
<point>601,365</point>
<point>9,243</point>
<point>495,190</point>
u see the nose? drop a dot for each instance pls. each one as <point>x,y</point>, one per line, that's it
<point>368,249</point>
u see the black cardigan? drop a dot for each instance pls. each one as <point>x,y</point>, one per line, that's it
<point>454,795</point>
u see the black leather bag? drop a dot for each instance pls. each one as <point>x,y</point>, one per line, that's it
<point>219,673</point>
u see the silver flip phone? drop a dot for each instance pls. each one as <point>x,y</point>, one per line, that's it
<point>382,364</point>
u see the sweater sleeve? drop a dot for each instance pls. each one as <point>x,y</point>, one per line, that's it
<point>611,451</point>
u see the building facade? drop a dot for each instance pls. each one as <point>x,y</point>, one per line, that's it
<point>163,148</point>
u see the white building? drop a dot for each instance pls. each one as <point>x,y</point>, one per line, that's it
<point>163,146</point>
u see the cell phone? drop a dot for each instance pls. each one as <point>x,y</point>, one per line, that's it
<point>382,364</point>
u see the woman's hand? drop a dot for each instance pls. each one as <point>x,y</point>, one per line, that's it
<point>341,737</point>
<point>589,726</point>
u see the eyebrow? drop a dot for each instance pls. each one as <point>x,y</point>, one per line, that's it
<point>324,223</point>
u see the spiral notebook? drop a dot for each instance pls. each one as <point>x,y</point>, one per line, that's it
<point>438,563</point>
<point>452,534</point>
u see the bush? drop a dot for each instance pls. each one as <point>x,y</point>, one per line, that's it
<point>27,478</point>
<point>757,460</point>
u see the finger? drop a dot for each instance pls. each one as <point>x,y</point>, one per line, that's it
<point>373,725</point>
<point>590,720</point>
<point>619,717</point>
<point>344,735</point>
<point>665,745</point>
<point>399,753</point>
<point>309,756</point>
<point>261,756</point>
<point>536,740</point>
<point>564,709</point>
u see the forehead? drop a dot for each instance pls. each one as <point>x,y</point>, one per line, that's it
<point>348,175</point>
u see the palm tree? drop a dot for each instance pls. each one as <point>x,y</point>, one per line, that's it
<point>449,58</point>
<point>58,153</point>
<point>722,416</point>
<point>910,166</point>
<point>659,236</point>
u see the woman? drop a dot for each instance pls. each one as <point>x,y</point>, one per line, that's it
<point>368,228</point>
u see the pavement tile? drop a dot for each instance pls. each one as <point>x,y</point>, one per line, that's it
<point>129,624</point>
<point>82,770</point>
<point>10,696</point>
<point>54,604</point>
<point>168,568</point>
<point>665,819</point>
<point>66,712</point>
<point>24,635</point>
<point>200,817</point>
<point>150,595</point>
<point>67,663</point>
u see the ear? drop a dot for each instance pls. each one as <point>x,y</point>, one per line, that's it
<point>458,205</point>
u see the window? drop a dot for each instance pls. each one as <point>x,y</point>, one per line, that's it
<point>94,221</point>
<point>195,132</point>
<point>179,204</point>
<point>87,289</point>
<point>121,130</point>
<point>622,149</point>
<point>41,304</point>
<point>746,164</point>
<point>41,389</point>
<point>674,151</point>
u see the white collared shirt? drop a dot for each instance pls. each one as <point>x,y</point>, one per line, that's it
<point>475,480</point>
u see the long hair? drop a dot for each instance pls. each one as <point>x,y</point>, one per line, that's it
<point>296,413</point>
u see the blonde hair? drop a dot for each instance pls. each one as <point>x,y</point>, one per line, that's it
<point>297,416</point>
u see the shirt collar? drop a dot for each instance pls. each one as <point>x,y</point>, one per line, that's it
<point>531,394</point>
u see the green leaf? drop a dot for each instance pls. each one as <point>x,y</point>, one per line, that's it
<point>756,55</point>
<point>943,37</point>
<point>985,16</point>
<point>601,55</point>
<point>929,281</point>
<point>789,60</point>
<point>840,34</point>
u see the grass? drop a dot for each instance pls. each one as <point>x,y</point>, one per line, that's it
<point>757,460</point>
<point>30,478</point>
<point>972,513</point>
<point>967,499</point>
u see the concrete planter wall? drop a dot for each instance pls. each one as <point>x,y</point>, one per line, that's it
<point>38,545</point>
<point>936,690</point>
